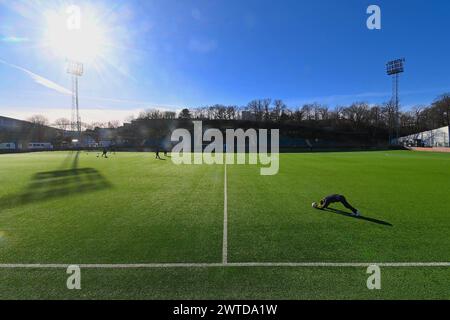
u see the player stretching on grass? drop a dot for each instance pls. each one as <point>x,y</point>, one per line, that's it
<point>334,198</point>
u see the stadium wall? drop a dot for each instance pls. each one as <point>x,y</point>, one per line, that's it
<point>155,133</point>
<point>21,133</point>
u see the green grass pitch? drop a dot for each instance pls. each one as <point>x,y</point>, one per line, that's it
<point>60,208</point>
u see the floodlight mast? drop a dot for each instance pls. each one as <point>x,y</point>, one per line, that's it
<point>394,68</point>
<point>76,70</point>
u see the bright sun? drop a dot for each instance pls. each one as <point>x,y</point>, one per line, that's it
<point>84,43</point>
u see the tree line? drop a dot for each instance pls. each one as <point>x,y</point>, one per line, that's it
<point>355,116</point>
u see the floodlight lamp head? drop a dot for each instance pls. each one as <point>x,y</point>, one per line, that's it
<point>395,66</point>
<point>75,68</point>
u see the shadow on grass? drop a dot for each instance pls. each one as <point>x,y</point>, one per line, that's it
<point>60,183</point>
<point>343,213</point>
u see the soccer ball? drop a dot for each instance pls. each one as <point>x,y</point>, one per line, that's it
<point>314,205</point>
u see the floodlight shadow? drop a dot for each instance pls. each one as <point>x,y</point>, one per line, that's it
<point>56,184</point>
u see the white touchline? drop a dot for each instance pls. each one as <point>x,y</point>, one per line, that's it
<point>231,264</point>
<point>225,220</point>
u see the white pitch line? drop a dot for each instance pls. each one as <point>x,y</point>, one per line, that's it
<point>339,264</point>
<point>113,266</point>
<point>225,220</point>
<point>231,264</point>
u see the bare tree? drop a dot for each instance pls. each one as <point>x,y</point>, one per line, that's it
<point>254,107</point>
<point>40,124</point>
<point>114,124</point>
<point>323,112</point>
<point>150,114</point>
<point>39,120</point>
<point>278,110</point>
<point>62,124</point>
<point>93,125</point>
<point>169,115</point>
<point>442,108</point>
<point>260,108</point>
<point>337,114</point>
<point>130,118</point>
<point>299,115</point>
<point>87,126</point>
<point>185,114</point>
<point>265,106</point>
<point>231,112</point>
<point>358,113</point>
<point>308,111</point>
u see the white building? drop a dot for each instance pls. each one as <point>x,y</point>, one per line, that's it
<point>8,146</point>
<point>40,146</point>
<point>433,138</point>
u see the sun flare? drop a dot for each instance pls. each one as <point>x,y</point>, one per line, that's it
<point>85,43</point>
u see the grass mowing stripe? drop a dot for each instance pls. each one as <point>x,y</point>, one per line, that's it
<point>225,220</point>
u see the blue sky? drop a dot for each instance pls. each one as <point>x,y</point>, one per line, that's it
<point>176,54</point>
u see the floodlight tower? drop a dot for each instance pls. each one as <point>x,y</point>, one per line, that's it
<point>394,68</point>
<point>76,70</point>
